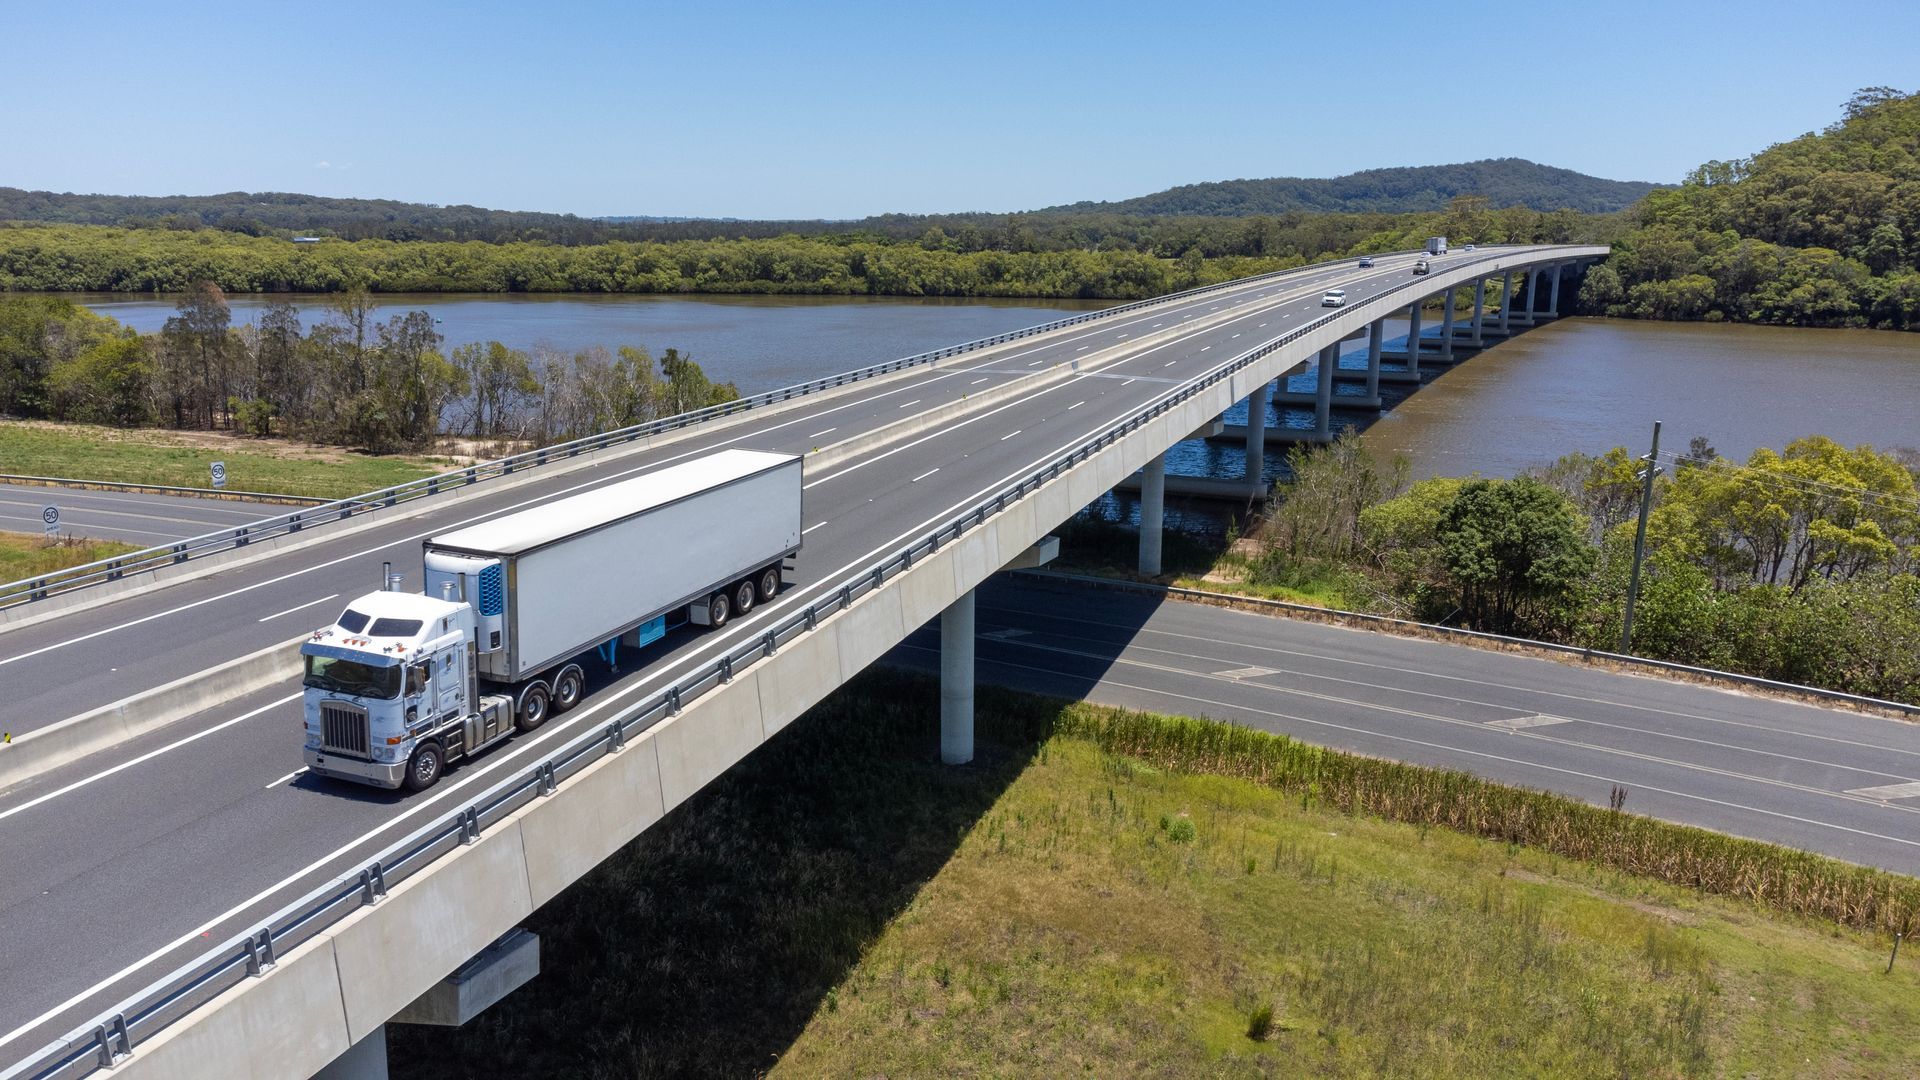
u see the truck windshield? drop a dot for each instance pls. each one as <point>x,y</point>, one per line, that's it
<point>352,677</point>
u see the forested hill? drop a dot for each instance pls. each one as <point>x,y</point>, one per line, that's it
<point>1823,230</point>
<point>1503,182</point>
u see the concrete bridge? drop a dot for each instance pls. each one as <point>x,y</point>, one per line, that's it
<point>178,903</point>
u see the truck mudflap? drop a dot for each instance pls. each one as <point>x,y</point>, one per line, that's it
<point>389,775</point>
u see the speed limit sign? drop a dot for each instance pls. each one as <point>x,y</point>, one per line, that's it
<point>219,474</point>
<point>51,516</point>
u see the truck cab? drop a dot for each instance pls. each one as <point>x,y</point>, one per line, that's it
<point>381,682</point>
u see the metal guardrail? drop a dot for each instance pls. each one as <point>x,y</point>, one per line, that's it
<point>29,590</point>
<point>1624,659</point>
<point>114,1035</point>
<point>156,489</point>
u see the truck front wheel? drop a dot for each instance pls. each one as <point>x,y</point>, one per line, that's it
<point>423,770</point>
<point>533,707</point>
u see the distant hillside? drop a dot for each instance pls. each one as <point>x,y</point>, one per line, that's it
<point>1503,181</point>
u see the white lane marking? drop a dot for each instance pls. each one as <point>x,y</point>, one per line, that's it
<point>1038,362</point>
<point>1515,723</point>
<point>816,525</point>
<point>286,778</point>
<point>1075,405</point>
<point>1246,672</point>
<point>1204,348</point>
<point>1129,382</point>
<point>904,404</point>
<point>1169,363</point>
<point>510,753</point>
<point>1236,335</point>
<point>977,382</point>
<point>924,475</point>
<point>1082,348</point>
<point>1262,326</point>
<point>1123,336</point>
<point>1156,326</point>
<point>1372,733</point>
<point>301,607</point>
<point>1888,791</point>
<point>831,430</point>
<point>1004,438</point>
<point>148,756</point>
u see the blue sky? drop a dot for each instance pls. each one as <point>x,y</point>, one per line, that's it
<point>842,110</point>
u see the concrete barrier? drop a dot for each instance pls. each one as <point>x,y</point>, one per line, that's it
<point>110,725</point>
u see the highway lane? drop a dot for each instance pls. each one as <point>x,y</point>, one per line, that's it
<point>151,638</point>
<point>134,517</point>
<point>1739,763</point>
<point>216,840</point>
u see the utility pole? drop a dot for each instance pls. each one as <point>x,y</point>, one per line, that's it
<point>1640,538</point>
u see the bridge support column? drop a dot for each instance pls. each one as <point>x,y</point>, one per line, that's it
<point>956,681</point>
<point>1506,301</point>
<point>1153,506</point>
<point>1553,297</point>
<point>365,1060</point>
<point>1446,327</point>
<point>1533,296</point>
<point>1323,388</point>
<point>1376,333</point>
<point>1479,309</point>
<point>1413,336</point>
<point>1257,433</point>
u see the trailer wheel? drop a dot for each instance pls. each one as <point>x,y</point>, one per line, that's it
<point>743,598</point>
<point>568,688</point>
<point>769,584</point>
<point>719,610</point>
<point>423,770</point>
<point>533,707</point>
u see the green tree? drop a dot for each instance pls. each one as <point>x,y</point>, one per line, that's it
<point>1514,553</point>
<point>108,383</point>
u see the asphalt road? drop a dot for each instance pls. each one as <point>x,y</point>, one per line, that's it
<point>123,866</point>
<point>136,518</point>
<point>1736,762</point>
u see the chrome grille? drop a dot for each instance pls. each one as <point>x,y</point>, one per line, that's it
<point>343,728</point>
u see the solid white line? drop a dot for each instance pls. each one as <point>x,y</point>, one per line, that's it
<point>924,475</point>
<point>814,526</point>
<point>286,778</point>
<point>301,607</point>
<point>148,756</point>
<point>831,430</point>
<point>1004,438</point>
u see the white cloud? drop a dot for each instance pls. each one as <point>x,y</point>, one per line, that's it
<point>322,165</point>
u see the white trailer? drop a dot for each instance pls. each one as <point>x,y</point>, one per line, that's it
<point>404,684</point>
<point>1436,245</point>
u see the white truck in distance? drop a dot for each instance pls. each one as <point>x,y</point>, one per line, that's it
<point>404,684</point>
<point>1436,245</point>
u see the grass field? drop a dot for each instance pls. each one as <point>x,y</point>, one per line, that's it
<point>153,456</point>
<point>23,555</point>
<point>1092,545</point>
<point>842,905</point>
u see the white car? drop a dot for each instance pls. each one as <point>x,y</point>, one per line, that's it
<point>1334,298</point>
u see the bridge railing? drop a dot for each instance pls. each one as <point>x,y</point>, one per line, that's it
<point>39,587</point>
<point>117,1033</point>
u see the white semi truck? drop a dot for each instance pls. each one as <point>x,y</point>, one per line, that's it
<point>1436,245</point>
<point>404,684</point>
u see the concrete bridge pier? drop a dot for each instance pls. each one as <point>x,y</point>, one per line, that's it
<point>1257,433</point>
<point>1153,506</point>
<point>1479,311</point>
<point>364,1060</point>
<point>1413,336</point>
<point>1376,334</point>
<point>1506,302</point>
<point>1446,327</point>
<point>1323,386</point>
<point>1553,298</point>
<point>956,680</point>
<point>1533,294</point>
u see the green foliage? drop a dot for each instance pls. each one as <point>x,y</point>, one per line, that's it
<point>1823,230</point>
<point>1503,182</point>
<point>1513,552</point>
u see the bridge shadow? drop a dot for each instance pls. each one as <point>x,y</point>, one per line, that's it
<point>704,947</point>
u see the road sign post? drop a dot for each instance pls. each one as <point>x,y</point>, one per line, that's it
<point>219,470</point>
<point>50,516</point>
